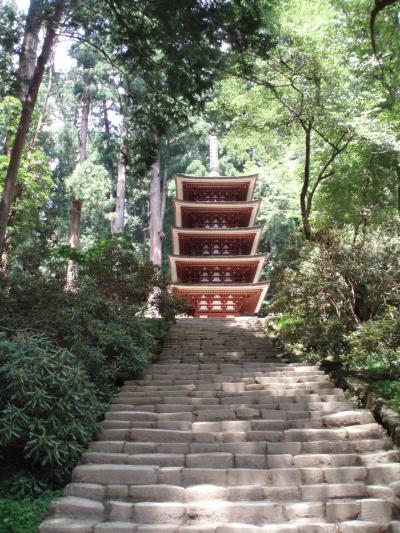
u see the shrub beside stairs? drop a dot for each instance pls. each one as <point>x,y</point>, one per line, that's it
<point>221,436</point>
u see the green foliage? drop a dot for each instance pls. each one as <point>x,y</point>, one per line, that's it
<point>335,288</point>
<point>64,352</point>
<point>24,515</point>
<point>48,406</point>
<point>102,321</point>
<point>35,179</point>
<point>389,390</point>
<point>10,109</point>
<point>89,182</point>
<point>374,347</point>
<point>23,483</point>
<point>10,22</point>
<point>119,271</point>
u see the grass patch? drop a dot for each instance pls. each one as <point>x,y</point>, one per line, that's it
<point>24,515</point>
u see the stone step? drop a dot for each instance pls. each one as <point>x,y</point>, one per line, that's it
<point>248,372</point>
<point>68,525</point>
<point>361,431</point>
<point>240,385</point>
<point>353,526</point>
<point>330,395</point>
<point>237,411</point>
<point>263,414</point>
<point>194,426</point>
<point>212,377</point>
<point>122,421</point>
<point>77,507</point>
<point>222,366</point>
<point>223,435</point>
<point>319,401</point>
<point>302,449</point>
<point>254,512</point>
<point>215,390</point>
<point>282,493</point>
<point>220,459</point>
<point>125,474</point>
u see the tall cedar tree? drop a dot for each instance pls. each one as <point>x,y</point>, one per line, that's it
<point>52,20</point>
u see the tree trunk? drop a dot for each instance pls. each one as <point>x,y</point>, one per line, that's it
<point>107,129</point>
<point>144,215</point>
<point>379,6</point>
<point>25,120</point>
<point>155,215</point>
<point>398,187</point>
<point>30,43</point>
<point>117,223</point>
<point>43,111</point>
<point>76,209</point>
<point>304,207</point>
<point>164,185</point>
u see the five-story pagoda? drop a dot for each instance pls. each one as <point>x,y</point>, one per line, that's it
<point>214,262</point>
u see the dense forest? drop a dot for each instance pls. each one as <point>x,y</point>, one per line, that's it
<point>100,104</point>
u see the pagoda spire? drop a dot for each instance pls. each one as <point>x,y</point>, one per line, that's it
<point>214,168</point>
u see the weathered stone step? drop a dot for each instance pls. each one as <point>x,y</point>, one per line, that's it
<point>219,459</point>
<point>282,493</point>
<point>68,525</point>
<point>295,377</point>
<point>302,449</point>
<point>352,526</point>
<point>108,474</point>
<point>257,416</point>
<point>213,358</point>
<point>242,410</point>
<point>240,385</point>
<point>225,390</point>
<point>123,420</point>
<point>77,507</point>
<point>274,424</point>
<point>250,398</point>
<point>247,512</point>
<point>211,376</point>
<point>362,431</point>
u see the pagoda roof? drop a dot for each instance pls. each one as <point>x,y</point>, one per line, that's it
<point>252,232</point>
<point>253,292</point>
<point>182,206</point>
<point>185,183</point>
<point>257,260</point>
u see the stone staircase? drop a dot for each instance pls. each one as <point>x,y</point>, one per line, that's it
<point>222,436</point>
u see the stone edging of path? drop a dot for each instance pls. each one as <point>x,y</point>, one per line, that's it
<point>388,417</point>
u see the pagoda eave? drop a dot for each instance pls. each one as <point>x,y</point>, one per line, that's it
<point>251,235</point>
<point>222,300</point>
<point>212,187</point>
<point>228,266</point>
<point>226,214</point>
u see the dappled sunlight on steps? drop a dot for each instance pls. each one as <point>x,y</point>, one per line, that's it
<point>223,436</point>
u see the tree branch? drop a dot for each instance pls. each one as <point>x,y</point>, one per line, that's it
<point>379,6</point>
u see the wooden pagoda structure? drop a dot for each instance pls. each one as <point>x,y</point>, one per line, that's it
<point>214,262</point>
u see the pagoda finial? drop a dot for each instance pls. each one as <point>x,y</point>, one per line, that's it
<point>214,170</point>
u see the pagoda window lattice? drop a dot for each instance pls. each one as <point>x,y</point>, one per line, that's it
<point>215,194</point>
<point>225,274</point>
<point>215,220</point>
<point>212,247</point>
